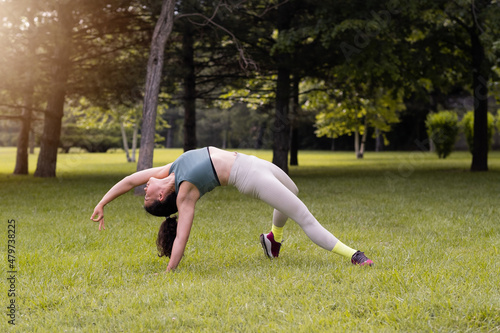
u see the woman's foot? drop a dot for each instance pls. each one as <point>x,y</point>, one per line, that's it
<point>360,259</point>
<point>270,246</point>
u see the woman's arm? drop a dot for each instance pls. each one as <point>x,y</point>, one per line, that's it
<point>186,202</point>
<point>125,185</point>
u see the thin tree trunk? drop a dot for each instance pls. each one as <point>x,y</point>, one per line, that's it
<point>23,142</point>
<point>361,151</point>
<point>134,141</point>
<point>281,122</point>
<point>47,159</point>
<point>356,142</point>
<point>362,147</point>
<point>189,97</point>
<point>32,141</point>
<point>161,33</point>
<point>294,132</point>
<point>260,135</point>
<point>480,74</point>
<point>24,135</point>
<point>378,140</point>
<point>124,140</point>
<point>227,130</point>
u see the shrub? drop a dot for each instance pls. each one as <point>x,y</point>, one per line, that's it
<point>442,128</point>
<point>467,125</point>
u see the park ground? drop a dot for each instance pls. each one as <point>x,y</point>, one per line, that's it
<point>431,227</point>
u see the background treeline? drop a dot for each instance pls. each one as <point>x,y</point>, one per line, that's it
<point>285,75</point>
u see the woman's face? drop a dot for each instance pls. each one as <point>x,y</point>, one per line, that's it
<point>153,191</point>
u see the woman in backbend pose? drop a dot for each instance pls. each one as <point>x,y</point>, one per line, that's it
<point>177,186</point>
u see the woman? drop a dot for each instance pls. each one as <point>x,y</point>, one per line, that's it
<point>179,185</point>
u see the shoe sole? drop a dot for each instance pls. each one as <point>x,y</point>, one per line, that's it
<point>264,247</point>
<point>366,263</point>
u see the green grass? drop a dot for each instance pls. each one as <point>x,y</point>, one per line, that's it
<point>432,228</point>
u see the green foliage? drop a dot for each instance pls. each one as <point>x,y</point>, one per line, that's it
<point>435,257</point>
<point>93,140</point>
<point>467,125</point>
<point>442,128</point>
<point>97,129</point>
<point>343,112</point>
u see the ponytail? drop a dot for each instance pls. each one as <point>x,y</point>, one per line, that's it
<point>166,236</point>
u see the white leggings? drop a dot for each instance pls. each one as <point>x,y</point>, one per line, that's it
<point>265,181</point>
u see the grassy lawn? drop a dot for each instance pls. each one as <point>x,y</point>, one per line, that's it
<point>431,227</point>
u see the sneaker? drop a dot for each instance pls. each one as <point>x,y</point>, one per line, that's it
<point>360,259</point>
<point>270,246</point>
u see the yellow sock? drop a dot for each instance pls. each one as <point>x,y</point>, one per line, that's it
<point>278,233</point>
<point>344,250</point>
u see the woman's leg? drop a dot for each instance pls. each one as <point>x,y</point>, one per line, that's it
<point>279,219</point>
<point>287,204</point>
<point>265,181</point>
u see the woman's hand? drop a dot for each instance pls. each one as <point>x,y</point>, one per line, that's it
<point>98,216</point>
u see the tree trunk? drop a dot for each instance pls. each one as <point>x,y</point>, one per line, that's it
<point>32,141</point>
<point>47,159</point>
<point>23,142</point>
<point>259,142</point>
<point>480,75</point>
<point>24,135</point>
<point>189,97</point>
<point>294,132</point>
<point>134,141</point>
<point>361,151</point>
<point>362,147</point>
<point>125,142</point>
<point>356,142</point>
<point>378,141</point>
<point>161,33</point>
<point>227,130</point>
<point>281,122</point>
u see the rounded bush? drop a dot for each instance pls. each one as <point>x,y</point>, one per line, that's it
<point>442,128</point>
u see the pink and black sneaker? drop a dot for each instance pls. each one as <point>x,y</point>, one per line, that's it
<point>270,246</point>
<point>360,259</point>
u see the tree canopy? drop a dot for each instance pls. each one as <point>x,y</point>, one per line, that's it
<point>354,66</point>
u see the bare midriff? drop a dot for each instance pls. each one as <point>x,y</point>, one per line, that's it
<point>223,161</point>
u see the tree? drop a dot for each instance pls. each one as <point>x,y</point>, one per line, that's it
<point>467,125</point>
<point>60,69</point>
<point>18,47</point>
<point>462,32</point>
<point>204,55</point>
<point>71,41</point>
<point>153,78</point>
<point>481,13</point>
<point>348,110</point>
<point>21,167</point>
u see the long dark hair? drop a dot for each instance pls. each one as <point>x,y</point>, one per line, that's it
<point>165,208</point>
<point>166,236</point>
<point>168,229</point>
